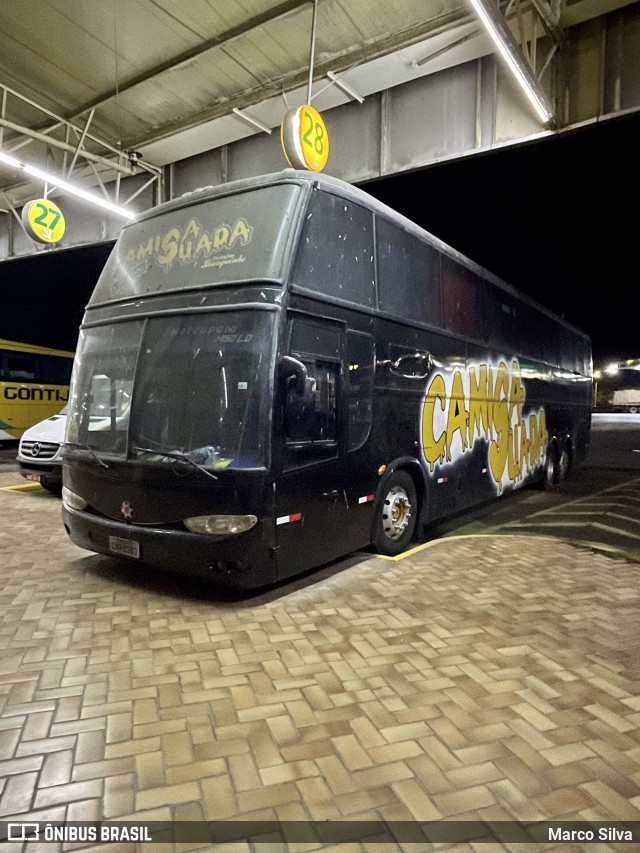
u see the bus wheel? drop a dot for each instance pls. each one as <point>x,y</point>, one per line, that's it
<point>396,515</point>
<point>550,469</point>
<point>564,463</point>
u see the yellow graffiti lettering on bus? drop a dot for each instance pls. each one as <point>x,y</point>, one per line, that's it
<point>432,447</point>
<point>190,243</point>
<point>479,400</point>
<point>484,401</point>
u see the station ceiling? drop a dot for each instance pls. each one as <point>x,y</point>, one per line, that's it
<point>169,79</point>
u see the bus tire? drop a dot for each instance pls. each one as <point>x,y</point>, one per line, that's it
<point>550,469</point>
<point>396,515</point>
<point>564,462</point>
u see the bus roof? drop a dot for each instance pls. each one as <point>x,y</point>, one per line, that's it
<point>33,349</point>
<point>340,187</point>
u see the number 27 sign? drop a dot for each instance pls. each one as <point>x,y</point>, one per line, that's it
<point>304,138</point>
<point>43,221</point>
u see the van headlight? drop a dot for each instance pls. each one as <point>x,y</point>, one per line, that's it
<point>72,500</point>
<point>220,525</point>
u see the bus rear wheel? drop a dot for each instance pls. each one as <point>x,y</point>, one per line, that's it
<point>396,515</point>
<point>550,469</point>
<point>564,462</point>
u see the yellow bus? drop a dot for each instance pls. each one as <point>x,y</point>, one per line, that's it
<point>34,384</point>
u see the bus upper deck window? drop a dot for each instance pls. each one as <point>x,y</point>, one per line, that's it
<point>415,293</point>
<point>336,250</point>
<point>460,299</point>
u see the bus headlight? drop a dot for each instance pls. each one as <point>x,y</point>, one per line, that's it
<point>72,500</point>
<point>220,525</point>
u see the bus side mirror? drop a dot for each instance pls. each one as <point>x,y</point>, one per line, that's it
<point>293,373</point>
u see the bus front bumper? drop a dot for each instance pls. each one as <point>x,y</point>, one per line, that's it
<point>243,561</point>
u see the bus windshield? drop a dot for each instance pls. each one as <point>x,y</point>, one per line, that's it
<point>190,386</point>
<point>225,240</point>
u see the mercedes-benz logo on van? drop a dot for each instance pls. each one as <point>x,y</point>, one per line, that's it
<point>35,450</point>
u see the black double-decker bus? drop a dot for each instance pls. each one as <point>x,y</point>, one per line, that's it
<point>279,371</point>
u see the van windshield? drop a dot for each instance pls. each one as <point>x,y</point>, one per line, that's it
<point>231,239</point>
<point>189,385</point>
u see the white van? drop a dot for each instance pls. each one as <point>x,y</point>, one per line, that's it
<point>40,452</point>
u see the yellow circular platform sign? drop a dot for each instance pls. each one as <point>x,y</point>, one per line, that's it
<point>43,220</point>
<point>305,139</point>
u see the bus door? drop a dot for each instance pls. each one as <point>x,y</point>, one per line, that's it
<point>312,514</point>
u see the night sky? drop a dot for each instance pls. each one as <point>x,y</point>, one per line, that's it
<point>44,296</point>
<point>555,218</point>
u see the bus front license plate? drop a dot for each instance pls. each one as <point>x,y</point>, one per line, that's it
<point>127,547</point>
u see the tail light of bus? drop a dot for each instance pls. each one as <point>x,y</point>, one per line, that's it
<point>220,525</point>
<point>72,500</point>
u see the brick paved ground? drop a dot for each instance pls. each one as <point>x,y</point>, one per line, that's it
<point>483,678</point>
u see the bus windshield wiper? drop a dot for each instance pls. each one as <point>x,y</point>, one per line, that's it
<point>173,454</point>
<point>75,444</point>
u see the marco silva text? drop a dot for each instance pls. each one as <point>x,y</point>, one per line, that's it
<point>602,833</point>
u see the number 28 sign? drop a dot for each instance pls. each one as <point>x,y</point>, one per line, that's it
<point>304,139</point>
<point>43,221</point>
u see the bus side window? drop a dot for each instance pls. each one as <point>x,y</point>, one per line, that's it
<point>55,370</point>
<point>22,367</point>
<point>361,362</point>
<point>311,415</point>
<point>460,299</point>
<point>408,274</point>
<point>335,256</point>
<point>585,365</point>
<point>501,313</point>
<point>552,344</point>
<point>532,332</point>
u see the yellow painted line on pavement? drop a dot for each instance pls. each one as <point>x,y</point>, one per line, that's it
<point>27,487</point>
<point>411,551</point>
<point>432,542</point>
<point>580,543</point>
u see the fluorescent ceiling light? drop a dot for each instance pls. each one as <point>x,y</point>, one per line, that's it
<point>61,184</point>
<point>10,161</point>
<point>501,37</point>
